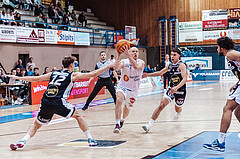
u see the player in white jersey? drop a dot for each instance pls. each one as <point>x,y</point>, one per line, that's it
<point>225,48</point>
<point>127,89</point>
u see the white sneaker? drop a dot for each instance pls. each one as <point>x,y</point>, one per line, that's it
<point>146,128</point>
<point>177,116</point>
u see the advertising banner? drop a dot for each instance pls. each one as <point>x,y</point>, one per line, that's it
<point>146,83</point>
<point>214,35</point>
<point>233,13</point>
<point>130,32</point>
<point>234,23</point>
<point>81,38</point>
<point>205,75</point>
<point>7,33</point>
<point>215,19</point>
<point>65,37</point>
<point>204,62</point>
<point>51,36</point>
<point>234,33</point>
<point>227,75</point>
<point>156,81</point>
<point>30,35</point>
<point>80,89</point>
<point>190,31</point>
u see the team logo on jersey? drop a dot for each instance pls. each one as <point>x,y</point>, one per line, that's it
<point>126,78</point>
<point>52,91</point>
<point>175,80</point>
<point>132,100</point>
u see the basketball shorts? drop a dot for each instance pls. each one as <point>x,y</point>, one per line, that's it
<point>49,107</point>
<point>235,94</point>
<point>179,97</point>
<point>130,96</point>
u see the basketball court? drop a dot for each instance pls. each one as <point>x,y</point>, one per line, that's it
<point>168,138</point>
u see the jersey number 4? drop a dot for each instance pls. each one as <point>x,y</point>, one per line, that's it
<point>57,80</point>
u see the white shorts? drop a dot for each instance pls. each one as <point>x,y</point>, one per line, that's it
<point>235,94</point>
<point>130,96</point>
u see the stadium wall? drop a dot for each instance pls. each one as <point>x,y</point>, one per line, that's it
<point>143,13</point>
<point>51,55</point>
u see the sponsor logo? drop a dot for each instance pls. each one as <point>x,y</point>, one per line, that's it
<point>132,100</point>
<point>7,32</point>
<point>65,37</point>
<point>126,78</point>
<point>205,74</point>
<point>79,91</point>
<point>80,84</point>
<point>39,88</point>
<point>52,91</point>
<point>43,120</point>
<point>175,80</point>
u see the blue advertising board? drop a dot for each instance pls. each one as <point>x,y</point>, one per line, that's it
<point>206,75</point>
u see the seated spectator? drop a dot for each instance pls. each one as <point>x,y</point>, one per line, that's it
<point>46,70</point>
<point>18,17</point>
<point>30,70</point>
<point>23,72</point>
<point>8,4</point>
<point>74,17</point>
<point>23,90</point>
<point>51,15</point>
<point>37,10</point>
<point>29,4</point>
<point>65,22</point>
<point>4,16</point>
<point>197,68</point>
<point>35,73</point>
<point>148,69</point>
<point>81,19</point>
<point>19,65</point>
<point>18,71</point>
<point>30,62</point>
<point>154,69</point>
<point>11,17</point>
<point>39,19</point>
<point>3,79</point>
<point>12,80</point>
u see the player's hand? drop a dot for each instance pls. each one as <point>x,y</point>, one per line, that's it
<point>144,75</point>
<point>173,90</point>
<point>124,50</point>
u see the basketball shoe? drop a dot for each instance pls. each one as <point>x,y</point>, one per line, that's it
<point>85,107</point>
<point>215,145</point>
<point>92,142</point>
<point>117,129</point>
<point>146,127</point>
<point>18,145</point>
<point>121,123</point>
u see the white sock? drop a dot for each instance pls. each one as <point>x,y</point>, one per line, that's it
<point>26,137</point>
<point>151,122</point>
<point>88,134</point>
<point>221,137</point>
<point>118,121</point>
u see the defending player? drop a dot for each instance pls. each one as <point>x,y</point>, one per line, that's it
<point>54,100</point>
<point>177,89</point>
<point>225,48</point>
<point>127,89</point>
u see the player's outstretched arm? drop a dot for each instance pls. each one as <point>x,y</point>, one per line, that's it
<point>158,73</point>
<point>95,73</point>
<point>45,77</point>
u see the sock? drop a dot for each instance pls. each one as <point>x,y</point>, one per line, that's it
<point>26,137</point>
<point>151,122</point>
<point>221,137</point>
<point>118,121</point>
<point>88,134</point>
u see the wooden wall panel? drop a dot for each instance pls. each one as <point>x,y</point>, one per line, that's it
<point>143,13</point>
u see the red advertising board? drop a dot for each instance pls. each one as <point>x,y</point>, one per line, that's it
<point>80,89</point>
<point>215,24</point>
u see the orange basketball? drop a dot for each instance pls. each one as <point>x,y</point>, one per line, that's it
<point>121,43</point>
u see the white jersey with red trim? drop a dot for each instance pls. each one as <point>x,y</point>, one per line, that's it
<point>130,77</point>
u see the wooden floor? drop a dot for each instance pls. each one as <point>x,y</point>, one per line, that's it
<point>201,112</point>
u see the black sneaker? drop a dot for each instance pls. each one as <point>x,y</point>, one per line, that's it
<point>117,129</point>
<point>85,107</point>
<point>121,123</point>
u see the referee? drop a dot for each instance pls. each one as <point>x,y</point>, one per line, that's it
<point>103,80</point>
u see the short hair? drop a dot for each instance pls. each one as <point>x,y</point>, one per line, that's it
<point>112,55</point>
<point>13,70</point>
<point>23,69</point>
<point>177,50</point>
<point>226,43</point>
<point>102,52</point>
<point>36,68</point>
<point>67,61</point>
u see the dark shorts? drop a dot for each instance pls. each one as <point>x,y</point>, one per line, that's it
<point>49,107</point>
<point>179,96</point>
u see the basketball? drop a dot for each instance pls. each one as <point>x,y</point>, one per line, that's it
<point>121,43</point>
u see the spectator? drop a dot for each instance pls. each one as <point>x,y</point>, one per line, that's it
<point>23,90</point>
<point>197,68</point>
<point>3,80</point>
<point>18,17</point>
<point>35,73</point>
<point>3,16</point>
<point>66,22</point>
<point>18,71</point>
<point>51,14</point>
<point>12,80</point>
<point>112,59</point>
<point>46,70</point>
<point>148,69</point>
<point>39,19</point>
<point>82,18</point>
<point>19,65</point>
<point>37,10</point>
<point>23,72</point>
<point>11,17</point>
<point>30,70</point>
<point>74,17</point>
<point>154,69</point>
<point>30,62</point>
<point>29,5</point>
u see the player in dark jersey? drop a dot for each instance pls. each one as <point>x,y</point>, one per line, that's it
<point>176,89</point>
<point>226,48</point>
<point>54,100</point>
